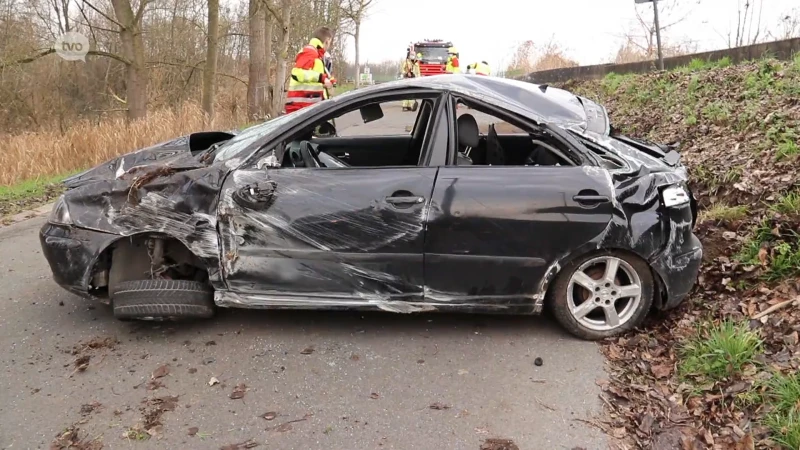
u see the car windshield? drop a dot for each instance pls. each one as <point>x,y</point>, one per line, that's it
<point>432,53</point>
<point>243,141</point>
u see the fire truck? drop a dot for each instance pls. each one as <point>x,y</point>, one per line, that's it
<point>433,57</point>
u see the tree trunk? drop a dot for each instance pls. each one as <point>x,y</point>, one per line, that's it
<point>257,81</point>
<point>268,35</point>
<point>210,72</point>
<point>357,39</point>
<point>282,57</point>
<point>133,50</point>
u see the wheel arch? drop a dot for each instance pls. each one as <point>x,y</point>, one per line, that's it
<point>98,276</point>
<point>544,293</point>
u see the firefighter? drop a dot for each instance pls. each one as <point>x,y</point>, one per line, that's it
<point>411,70</point>
<point>479,68</point>
<point>452,61</point>
<point>310,81</point>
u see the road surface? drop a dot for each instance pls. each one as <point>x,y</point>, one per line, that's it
<point>347,380</point>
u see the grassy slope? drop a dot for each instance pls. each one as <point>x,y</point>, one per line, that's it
<point>708,373</point>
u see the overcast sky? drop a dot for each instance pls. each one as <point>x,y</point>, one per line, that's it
<point>590,30</point>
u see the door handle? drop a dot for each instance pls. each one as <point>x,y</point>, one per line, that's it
<point>403,200</point>
<point>590,199</point>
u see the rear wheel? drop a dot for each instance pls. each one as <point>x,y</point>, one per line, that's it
<point>602,295</point>
<point>163,300</point>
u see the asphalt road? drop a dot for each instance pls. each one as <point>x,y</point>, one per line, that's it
<point>348,380</point>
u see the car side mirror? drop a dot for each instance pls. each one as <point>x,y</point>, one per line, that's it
<point>325,129</point>
<point>370,113</point>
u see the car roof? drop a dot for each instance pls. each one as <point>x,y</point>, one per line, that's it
<point>542,103</point>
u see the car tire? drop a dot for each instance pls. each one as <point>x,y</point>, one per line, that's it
<point>414,107</point>
<point>163,300</point>
<point>586,305</point>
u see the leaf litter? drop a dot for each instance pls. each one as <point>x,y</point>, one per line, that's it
<point>735,164</point>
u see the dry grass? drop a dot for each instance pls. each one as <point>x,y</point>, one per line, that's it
<point>36,155</point>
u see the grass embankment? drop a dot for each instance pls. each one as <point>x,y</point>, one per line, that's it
<point>32,164</point>
<point>718,372</point>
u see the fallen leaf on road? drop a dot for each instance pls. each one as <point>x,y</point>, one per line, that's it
<point>213,381</point>
<point>250,443</point>
<point>354,357</point>
<point>439,406</point>
<point>69,440</point>
<point>193,431</point>
<point>498,444</point>
<point>82,362</point>
<point>270,415</point>
<point>209,343</point>
<point>374,395</point>
<point>153,409</point>
<point>160,372</point>
<point>89,408</point>
<point>238,391</point>
<point>152,385</point>
<point>307,351</point>
<point>192,370</point>
<point>282,428</point>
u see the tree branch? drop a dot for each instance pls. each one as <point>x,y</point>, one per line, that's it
<point>26,60</point>
<point>140,11</point>
<point>104,14</point>
<point>194,66</point>
<point>274,13</point>
<point>110,55</point>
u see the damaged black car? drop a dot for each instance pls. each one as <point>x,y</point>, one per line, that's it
<point>501,197</point>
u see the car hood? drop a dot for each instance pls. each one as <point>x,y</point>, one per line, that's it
<point>175,153</point>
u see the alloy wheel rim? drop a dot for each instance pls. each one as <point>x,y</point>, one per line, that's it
<point>604,293</point>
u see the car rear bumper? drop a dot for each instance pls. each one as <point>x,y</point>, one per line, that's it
<point>678,268</point>
<point>72,253</point>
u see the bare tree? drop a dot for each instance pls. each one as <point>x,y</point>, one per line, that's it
<point>279,85</point>
<point>355,11</point>
<point>257,84</point>
<point>645,37</point>
<point>130,34</point>
<point>744,33</point>
<point>210,71</point>
<point>788,26</point>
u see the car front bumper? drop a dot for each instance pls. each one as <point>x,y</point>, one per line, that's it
<point>72,254</point>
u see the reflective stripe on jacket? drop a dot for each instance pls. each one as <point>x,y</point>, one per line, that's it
<point>307,76</point>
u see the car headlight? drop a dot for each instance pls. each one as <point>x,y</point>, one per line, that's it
<point>60,213</point>
<point>675,196</point>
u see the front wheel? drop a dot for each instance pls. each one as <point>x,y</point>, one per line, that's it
<point>602,295</point>
<point>163,300</point>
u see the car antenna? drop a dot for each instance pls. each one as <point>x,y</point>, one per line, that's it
<point>543,87</point>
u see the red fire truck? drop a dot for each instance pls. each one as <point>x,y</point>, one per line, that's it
<point>433,56</point>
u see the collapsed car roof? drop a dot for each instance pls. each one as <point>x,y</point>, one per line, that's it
<point>540,102</point>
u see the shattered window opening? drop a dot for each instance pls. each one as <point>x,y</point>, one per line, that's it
<point>503,142</point>
<point>241,142</point>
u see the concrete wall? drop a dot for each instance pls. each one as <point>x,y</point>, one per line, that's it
<point>783,50</point>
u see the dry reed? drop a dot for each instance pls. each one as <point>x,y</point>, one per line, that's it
<point>42,154</point>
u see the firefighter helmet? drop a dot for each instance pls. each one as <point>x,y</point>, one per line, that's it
<point>452,51</point>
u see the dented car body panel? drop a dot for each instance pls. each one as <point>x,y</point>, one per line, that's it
<point>400,239</point>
